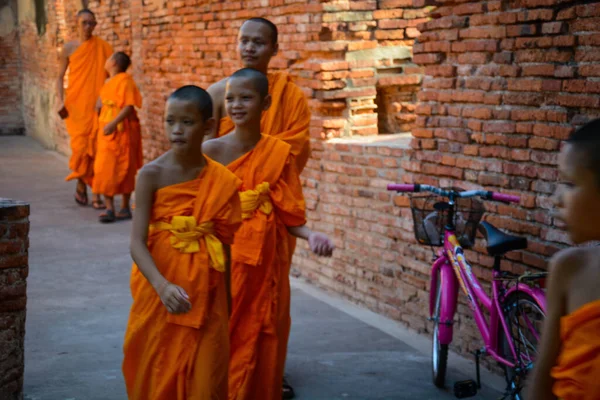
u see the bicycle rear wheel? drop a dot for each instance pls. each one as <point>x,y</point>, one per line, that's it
<point>524,317</point>
<point>439,355</point>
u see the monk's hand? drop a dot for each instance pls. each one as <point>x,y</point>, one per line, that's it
<point>175,299</point>
<point>320,244</point>
<point>110,128</point>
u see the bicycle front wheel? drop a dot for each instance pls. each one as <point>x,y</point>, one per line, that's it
<point>439,355</point>
<point>524,317</point>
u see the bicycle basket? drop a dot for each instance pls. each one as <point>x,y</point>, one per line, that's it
<point>429,222</point>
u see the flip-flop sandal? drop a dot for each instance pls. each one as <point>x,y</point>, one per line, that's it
<point>81,198</point>
<point>287,390</point>
<point>98,205</point>
<point>107,217</point>
<point>123,214</point>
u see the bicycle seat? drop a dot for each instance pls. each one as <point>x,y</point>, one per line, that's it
<point>498,242</point>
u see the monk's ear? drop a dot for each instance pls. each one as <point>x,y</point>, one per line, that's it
<point>209,126</point>
<point>267,102</point>
<point>275,49</point>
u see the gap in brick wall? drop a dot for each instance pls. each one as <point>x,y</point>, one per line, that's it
<point>394,109</point>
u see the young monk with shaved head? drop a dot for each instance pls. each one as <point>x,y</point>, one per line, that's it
<point>272,208</point>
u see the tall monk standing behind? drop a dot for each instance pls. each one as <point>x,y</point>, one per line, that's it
<point>84,58</point>
<point>187,210</point>
<point>119,147</point>
<point>272,208</point>
<point>288,117</point>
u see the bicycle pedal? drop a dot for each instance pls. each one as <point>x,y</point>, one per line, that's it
<point>464,389</point>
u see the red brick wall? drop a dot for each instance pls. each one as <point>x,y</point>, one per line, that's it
<point>11,116</point>
<point>505,82</point>
<point>14,242</point>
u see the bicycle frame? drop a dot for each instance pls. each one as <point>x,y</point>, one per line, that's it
<point>455,271</point>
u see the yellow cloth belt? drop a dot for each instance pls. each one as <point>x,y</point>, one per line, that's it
<point>110,113</point>
<point>256,199</point>
<point>186,233</point>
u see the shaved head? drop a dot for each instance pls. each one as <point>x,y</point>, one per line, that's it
<point>258,79</point>
<point>268,24</point>
<point>196,95</point>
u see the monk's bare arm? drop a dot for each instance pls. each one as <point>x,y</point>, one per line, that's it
<point>62,70</point>
<point>319,243</point>
<point>112,125</point>
<point>217,94</point>
<point>174,298</point>
<point>144,193</point>
<point>540,386</point>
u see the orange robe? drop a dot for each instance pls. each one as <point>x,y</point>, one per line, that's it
<point>578,369</point>
<point>287,119</point>
<point>185,356</point>
<point>118,155</point>
<point>86,77</point>
<point>260,322</point>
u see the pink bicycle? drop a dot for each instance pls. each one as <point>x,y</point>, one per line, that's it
<point>450,218</point>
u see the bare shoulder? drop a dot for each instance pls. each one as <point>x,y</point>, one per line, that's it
<point>70,47</point>
<point>217,89</point>
<point>150,174</point>
<point>566,263</point>
<point>215,148</point>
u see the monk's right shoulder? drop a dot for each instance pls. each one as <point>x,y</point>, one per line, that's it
<point>149,175</point>
<point>214,149</point>
<point>217,90</point>
<point>70,47</point>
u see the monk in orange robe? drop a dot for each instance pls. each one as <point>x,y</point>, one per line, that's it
<point>272,208</point>
<point>287,119</point>
<point>568,364</point>
<point>85,59</point>
<point>187,211</point>
<point>119,148</point>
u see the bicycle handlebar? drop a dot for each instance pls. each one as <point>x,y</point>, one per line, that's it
<point>407,188</point>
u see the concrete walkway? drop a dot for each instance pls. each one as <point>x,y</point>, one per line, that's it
<point>78,302</point>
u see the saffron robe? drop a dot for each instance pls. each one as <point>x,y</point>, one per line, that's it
<point>118,155</point>
<point>578,369</point>
<point>184,356</point>
<point>86,77</point>
<point>271,195</point>
<point>287,119</point>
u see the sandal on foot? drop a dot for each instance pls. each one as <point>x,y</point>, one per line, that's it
<point>123,214</point>
<point>287,390</point>
<point>107,217</point>
<point>81,198</point>
<point>98,205</point>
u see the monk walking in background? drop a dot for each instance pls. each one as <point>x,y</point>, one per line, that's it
<point>568,364</point>
<point>119,147</point>
<point>272,208</point>
<point>84,58</point>
<point>187,210</point>
<point>288,117</point>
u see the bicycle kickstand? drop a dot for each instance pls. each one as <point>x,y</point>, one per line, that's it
<point>477,354</point>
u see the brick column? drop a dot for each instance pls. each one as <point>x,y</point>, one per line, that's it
<point>14,242</point>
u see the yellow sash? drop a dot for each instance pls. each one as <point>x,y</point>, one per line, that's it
<point>256,199</point>
<point>186,233</point>
<point>112,110</point>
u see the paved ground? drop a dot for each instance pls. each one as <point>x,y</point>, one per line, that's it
<point>78,301</point>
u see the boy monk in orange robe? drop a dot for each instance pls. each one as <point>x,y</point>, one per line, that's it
<point>187,210</point>
<point>119,148</point>
<point>272,207</point>
<point>568,365</point>
<point>287,119</point>
<point>85,59</point>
